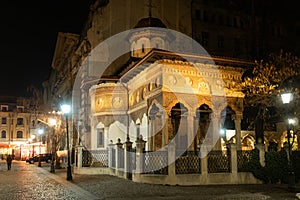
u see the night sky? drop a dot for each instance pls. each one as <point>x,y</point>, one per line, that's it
<point>29,30</point>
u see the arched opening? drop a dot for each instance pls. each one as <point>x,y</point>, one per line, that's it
<point>179,126</point>
<point>228,127</point>
<point>293,140</point>
<point>202,122</point>
<point>156,120</point>
<point>248,143</point>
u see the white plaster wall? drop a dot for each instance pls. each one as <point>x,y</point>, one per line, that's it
<point>115,131</point>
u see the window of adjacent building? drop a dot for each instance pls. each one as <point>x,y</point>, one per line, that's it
<point>3,120</point>
<point>205,38</point>
<point>242,24</point>
<point>100,137</point>
<point>4,108</point>
<point>3,134</point>
<point>221,20</point>
<point>198,14</point>
<point>237,43</point>
<point>19,134</point>
<point>213,18</point>
<point>235,22</point>
<point>20,121</point>
<point>205,16</point>
<point>20,109</point>
<point>220,41</point>
<point>228,21</point>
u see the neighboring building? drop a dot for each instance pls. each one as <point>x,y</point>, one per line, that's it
<point>228,30</point>
<point>17,127</point>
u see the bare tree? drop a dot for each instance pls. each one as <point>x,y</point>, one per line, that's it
<point>264,83</point>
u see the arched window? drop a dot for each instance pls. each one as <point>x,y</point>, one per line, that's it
<point>3,134</point>
<point>19,134</point>
<point>143,48</point>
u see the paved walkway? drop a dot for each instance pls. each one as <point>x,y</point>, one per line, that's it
<point>26,181</point>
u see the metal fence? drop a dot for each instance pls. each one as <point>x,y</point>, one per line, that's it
<point>243,159</point>
<point>188,163</point>
<point>94,158</point>
<point>219,162</point>
<point>155,162</point>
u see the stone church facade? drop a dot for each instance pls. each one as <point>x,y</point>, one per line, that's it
<point>151,92</point>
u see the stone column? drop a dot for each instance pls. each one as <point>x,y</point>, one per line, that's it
<point>165,131</point>
<point>238,135</point>
<point>127,159</point>
<point>216,130</point>
<point>191,133</point>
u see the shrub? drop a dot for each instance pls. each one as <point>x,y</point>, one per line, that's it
<point>276,166</point>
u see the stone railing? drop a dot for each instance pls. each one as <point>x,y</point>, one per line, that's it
<point>166,166</point>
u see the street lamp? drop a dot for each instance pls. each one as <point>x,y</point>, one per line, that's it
<point>40,132</point>
<point>66,109</point>
<point>286,99</point>
<point>52,123</point>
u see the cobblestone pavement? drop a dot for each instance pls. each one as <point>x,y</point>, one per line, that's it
<point>27,181</point>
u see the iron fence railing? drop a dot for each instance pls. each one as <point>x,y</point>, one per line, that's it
<point>155,162</point>
<point>188,163</point>
<point>94,158</point>
<point>243,159</point>
<point>219,162</point>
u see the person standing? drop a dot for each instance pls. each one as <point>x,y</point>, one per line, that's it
<point>9,161</point>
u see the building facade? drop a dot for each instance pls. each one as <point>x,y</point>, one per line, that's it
<point>231,32</point>
<point>19,136</point>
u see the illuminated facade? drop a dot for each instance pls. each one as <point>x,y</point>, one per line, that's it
<point>233,31</point>
<point>18,128</point>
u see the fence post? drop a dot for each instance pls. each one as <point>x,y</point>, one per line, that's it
<point>233,155</point>
<point>127,159</point>
<point>79,156</point>
<point>171,159</point>
<point>140,147</point>
<point>110,154</point>
<point>261,149</point>
<point>118,149</point>
<point>203,153</point>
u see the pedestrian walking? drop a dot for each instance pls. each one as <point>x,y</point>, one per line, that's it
<point>9,160</point>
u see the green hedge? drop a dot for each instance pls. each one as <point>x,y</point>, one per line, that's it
<point>276,166</point>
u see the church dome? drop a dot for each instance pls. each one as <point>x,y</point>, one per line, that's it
<point>150,22</point>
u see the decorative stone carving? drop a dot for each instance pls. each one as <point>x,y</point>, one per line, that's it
<point>188,81</point>
<point>172,80</point>
<point>117,102</point>
<point>99,104</point>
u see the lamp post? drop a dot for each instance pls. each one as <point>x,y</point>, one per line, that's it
<point>52,123</point>
<point>40,132</point>
<point>66,109</point>
<point>286,99</point>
